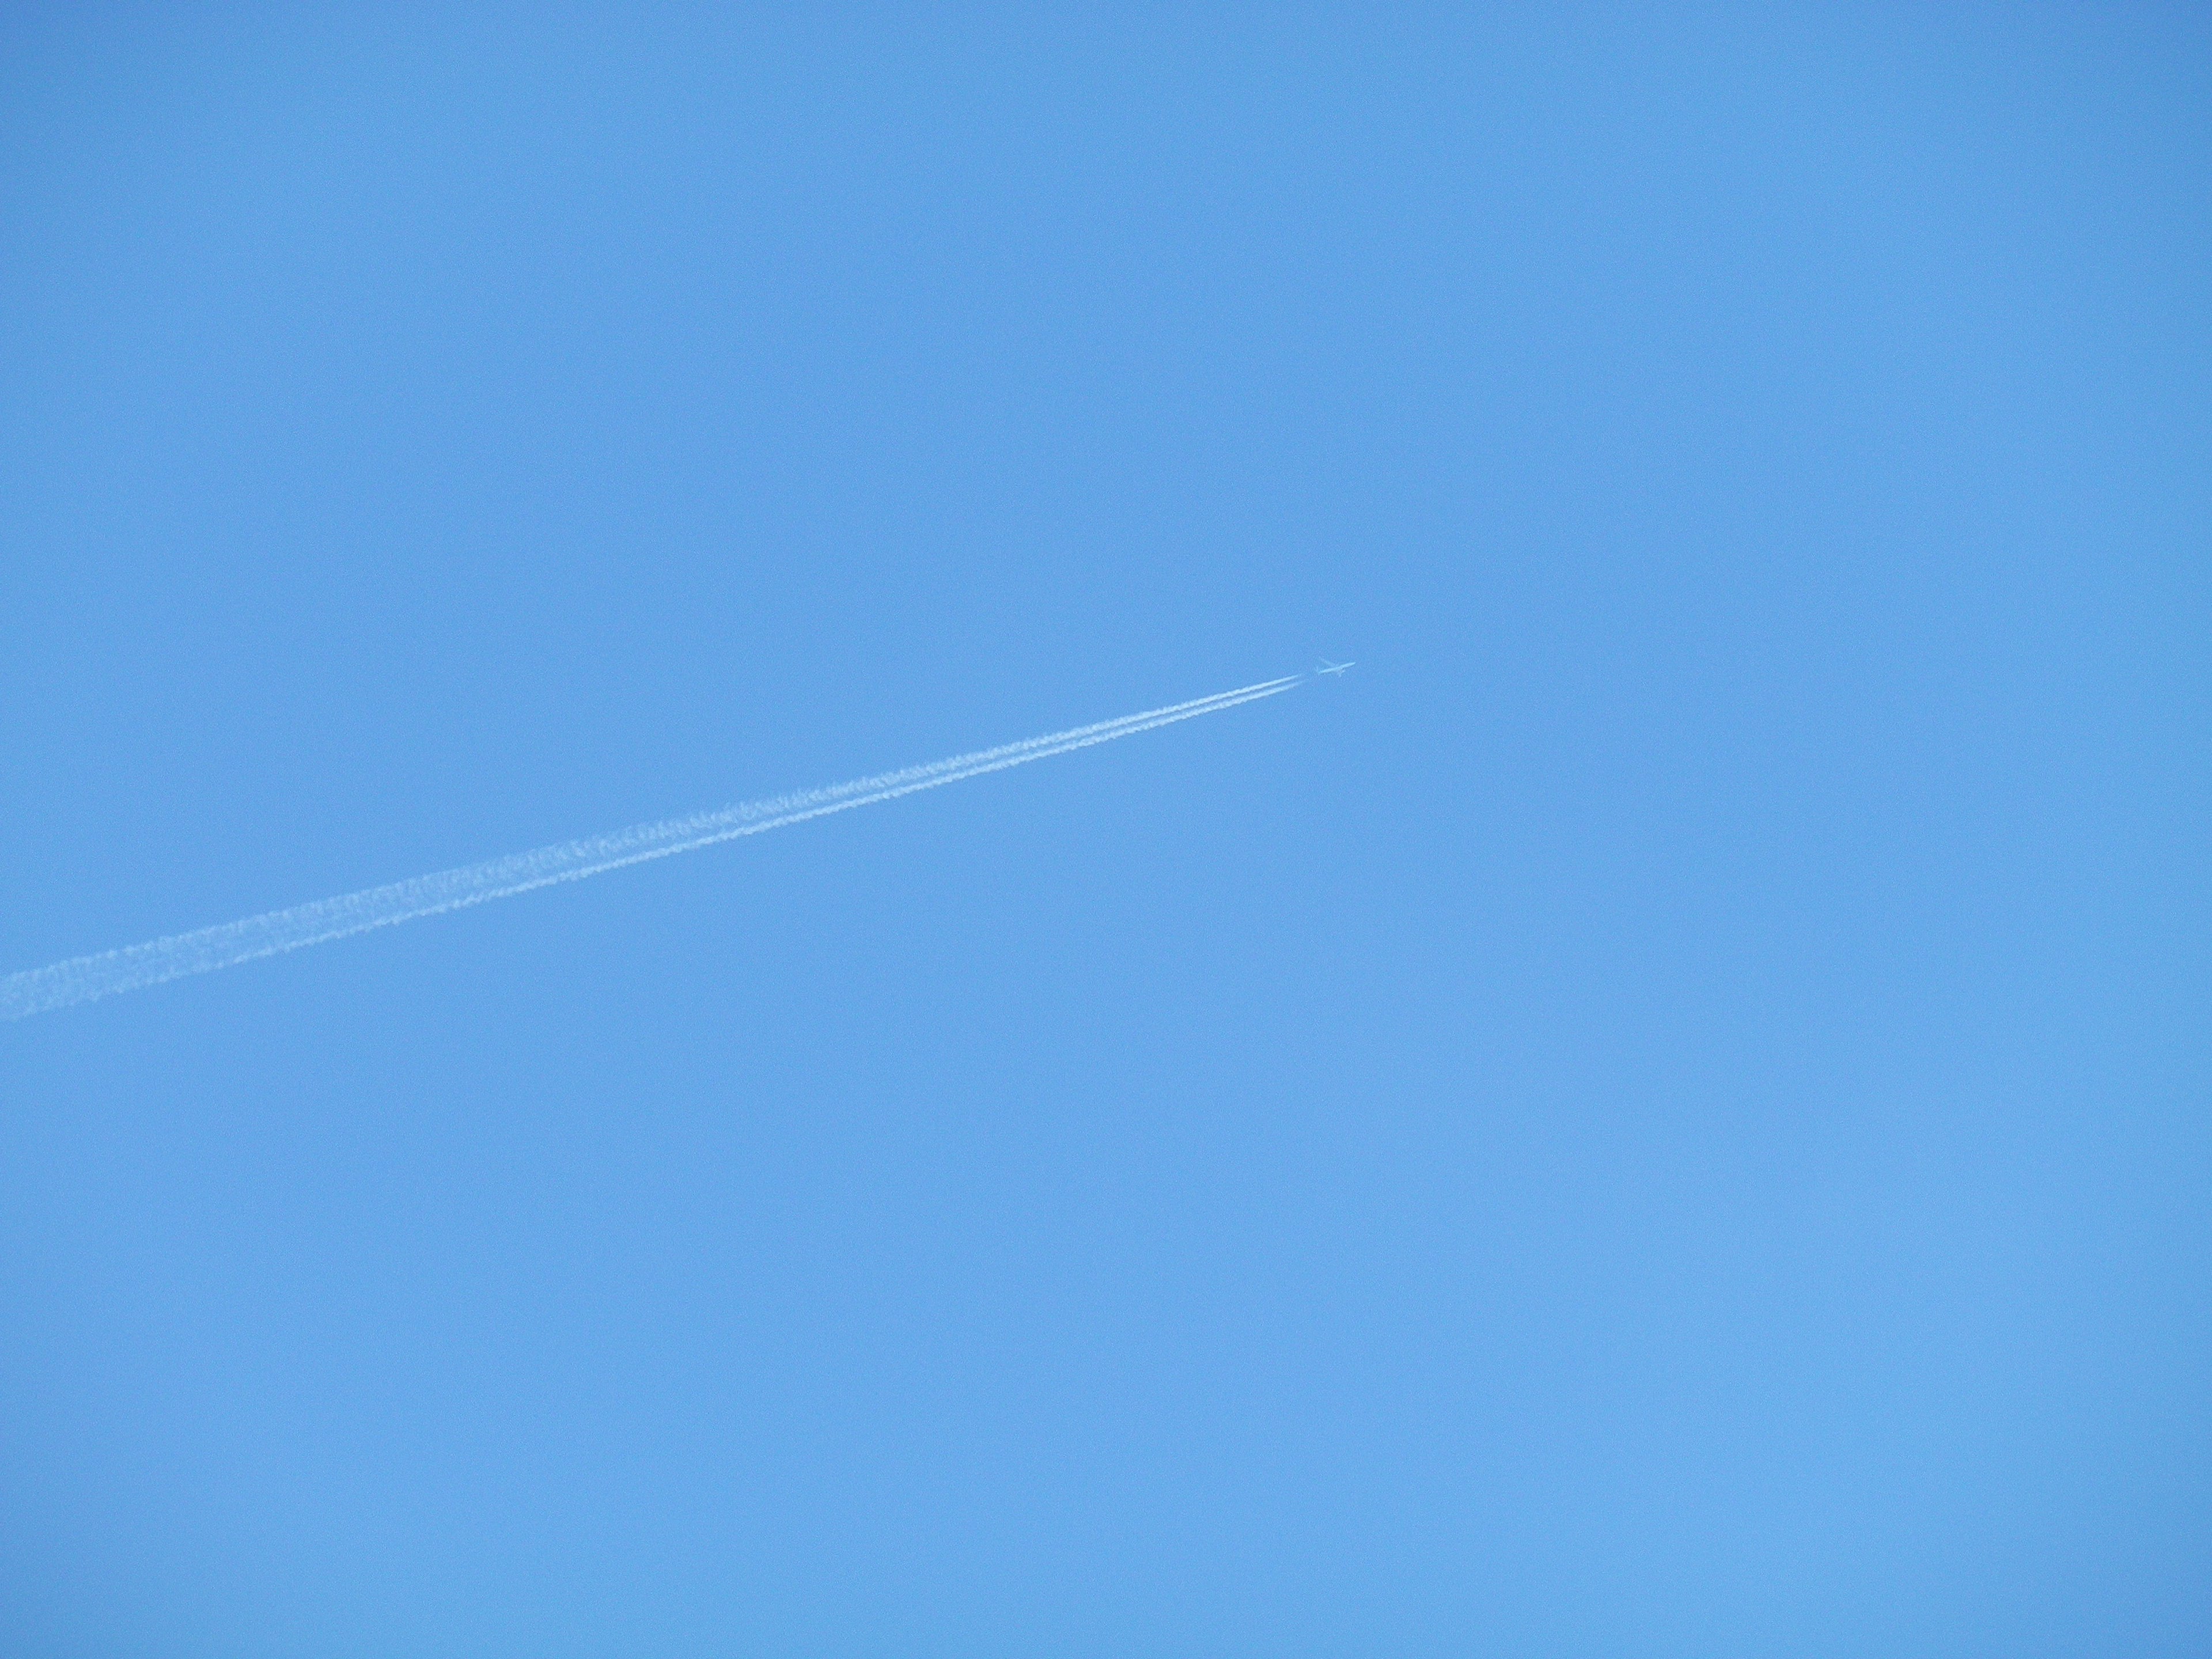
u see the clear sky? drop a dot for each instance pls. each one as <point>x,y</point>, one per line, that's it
<point>1664,1114</point>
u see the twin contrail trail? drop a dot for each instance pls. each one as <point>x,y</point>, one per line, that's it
<point>83,979</point>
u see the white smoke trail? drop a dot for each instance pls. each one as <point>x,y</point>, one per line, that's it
<point>83,979</point>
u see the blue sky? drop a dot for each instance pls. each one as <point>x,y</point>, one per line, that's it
<point>1663,1115</point>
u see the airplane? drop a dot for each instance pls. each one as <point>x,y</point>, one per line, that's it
<point>1328,667</point>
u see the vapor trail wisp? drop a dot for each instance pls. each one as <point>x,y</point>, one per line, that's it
<point>83,979</point>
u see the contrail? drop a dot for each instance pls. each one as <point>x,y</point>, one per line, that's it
<point>83,979</point>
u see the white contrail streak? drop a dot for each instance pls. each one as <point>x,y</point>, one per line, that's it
<point>83,979</point>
